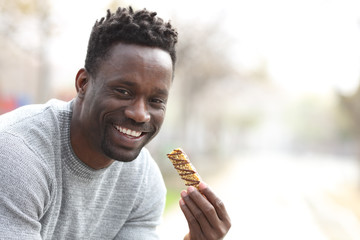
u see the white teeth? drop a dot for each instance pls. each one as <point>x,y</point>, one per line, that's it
<point>133,133</point>
<point>128,131</point>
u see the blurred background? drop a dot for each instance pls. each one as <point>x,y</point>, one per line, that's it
<point>265,101</point>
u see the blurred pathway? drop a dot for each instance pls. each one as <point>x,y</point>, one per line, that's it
<point>282,197</point>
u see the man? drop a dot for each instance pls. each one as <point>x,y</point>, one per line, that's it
<point>79,170</point>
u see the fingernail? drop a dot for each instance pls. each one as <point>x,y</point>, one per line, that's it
<point>183,193</point>
<point>190,189</point>
<point>202,186</point>
<point>181,201</point>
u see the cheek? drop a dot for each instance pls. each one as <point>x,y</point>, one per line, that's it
<point>96,112</point>
<point>158,118</point>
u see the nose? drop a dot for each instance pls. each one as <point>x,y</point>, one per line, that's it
<point>138,112</point>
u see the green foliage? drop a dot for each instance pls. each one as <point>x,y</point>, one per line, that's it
<point>172,198</point>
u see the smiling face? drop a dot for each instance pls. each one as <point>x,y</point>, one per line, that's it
<point>118,111</point>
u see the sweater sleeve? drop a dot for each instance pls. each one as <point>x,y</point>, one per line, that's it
<point>146,216</point>
<point>23,190</point>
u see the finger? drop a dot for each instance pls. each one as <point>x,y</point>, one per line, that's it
<point>187,236</point>
<point>196,212</point>
<point>215,201</point>
<point>216,227</point>
<point>205,206</point>
<point>194,227</point>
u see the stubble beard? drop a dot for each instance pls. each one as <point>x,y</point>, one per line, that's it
<point>116,153</point>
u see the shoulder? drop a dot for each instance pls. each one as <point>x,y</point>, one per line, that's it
<point>143,172</point>
<point>142,175</point>
<point>30,135</point>
<point>26,188</point>
<point>33,113</point>
<point>24,178</point>
<point>153,180</point>
<point>147,161</point>
<point>19,160</point>
<point>14,149</point>
<point>38,126</point>
<point>146,158</point>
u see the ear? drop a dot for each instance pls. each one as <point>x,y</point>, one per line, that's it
<point>81,82</point>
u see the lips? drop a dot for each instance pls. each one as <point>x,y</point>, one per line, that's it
<point>128,132</point>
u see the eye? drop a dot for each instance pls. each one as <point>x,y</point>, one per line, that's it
<point>158,103</point>
<point>122,92</point>
<point>157,100</point>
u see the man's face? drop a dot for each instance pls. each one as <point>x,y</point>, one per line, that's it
<point>124,104</point>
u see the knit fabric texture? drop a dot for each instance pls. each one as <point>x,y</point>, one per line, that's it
<point>46,192</point>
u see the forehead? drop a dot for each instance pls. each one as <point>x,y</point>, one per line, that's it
<point>124,56</point>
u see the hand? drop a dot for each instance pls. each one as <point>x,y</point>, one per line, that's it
<point>206,216</point>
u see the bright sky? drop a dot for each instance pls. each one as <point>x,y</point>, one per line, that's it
<point>308,45</point>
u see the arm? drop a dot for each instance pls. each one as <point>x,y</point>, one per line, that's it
<point>21,197</point>
<point>207,217</point>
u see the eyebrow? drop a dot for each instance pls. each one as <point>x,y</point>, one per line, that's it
<point>132,84</point>
<point>162,91</point>
<point>128,83</point>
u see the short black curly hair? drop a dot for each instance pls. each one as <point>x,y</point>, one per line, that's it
<point>128,26</point>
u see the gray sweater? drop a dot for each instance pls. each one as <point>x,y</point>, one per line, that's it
<point>46,192</point>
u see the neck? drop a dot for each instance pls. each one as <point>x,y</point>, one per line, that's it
<point>82,147</point>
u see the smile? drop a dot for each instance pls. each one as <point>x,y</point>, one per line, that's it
<point>129,132</point>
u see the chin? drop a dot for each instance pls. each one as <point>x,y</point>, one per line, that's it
<point>115,150</point>
<point>121,155</point>
<point>126,158</point>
